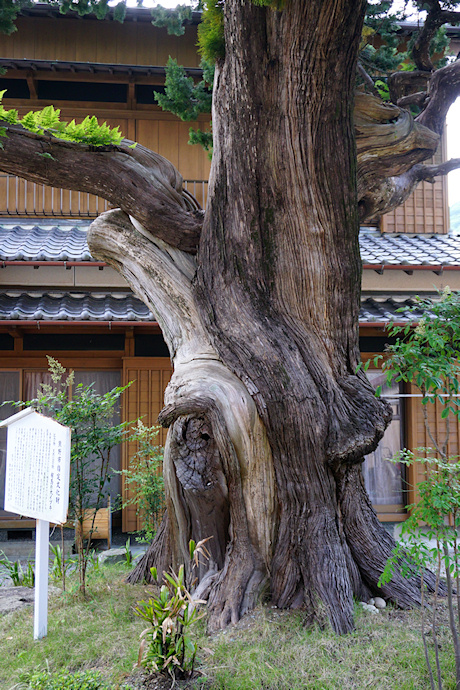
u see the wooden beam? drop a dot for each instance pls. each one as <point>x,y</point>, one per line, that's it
<point>131,94</point>
<point>31,83</point>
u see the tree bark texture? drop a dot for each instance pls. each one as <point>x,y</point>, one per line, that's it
<point>258,302</point>
<point>268,419</point>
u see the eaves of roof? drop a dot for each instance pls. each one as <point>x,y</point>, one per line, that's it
<point>67,67</point>
<point>67,307</point>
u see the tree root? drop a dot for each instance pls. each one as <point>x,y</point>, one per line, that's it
<point>371,545</point>
<point>159,555</point>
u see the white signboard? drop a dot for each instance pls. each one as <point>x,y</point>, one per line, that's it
<point>37,486</point>
<point>37,467</point>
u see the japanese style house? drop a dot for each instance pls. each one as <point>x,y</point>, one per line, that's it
<point>55,299</point>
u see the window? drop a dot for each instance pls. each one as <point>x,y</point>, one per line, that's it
<point>384,479</point>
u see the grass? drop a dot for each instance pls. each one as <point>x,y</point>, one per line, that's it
<point>278,653</point>
<point>268,650</point>
<point>101,632</point>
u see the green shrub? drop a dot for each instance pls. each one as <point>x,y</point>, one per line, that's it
<point>145,478</point>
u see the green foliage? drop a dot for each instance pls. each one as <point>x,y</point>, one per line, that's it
<point>61,565</point>
<point>382,20</point>
<point>203,138</point>
<point>274,4</point>
<point>128,554</point>
<point>172,20</point>
<point>144,477</point>
<point>9,10</point>
<point>90,418</point>
<point>167,645</point>
<point>186,99</point>
<point>48,122</point>
<point>82,680</point>
<point>383,89</point>
<point>211,39</point>
<point>182,97</point>
<point>18,576</point>
<point>428,355</point>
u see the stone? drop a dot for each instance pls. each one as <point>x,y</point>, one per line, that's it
<point>112,556</point>
<point>13,598</point>
<point>371,602</point>
<point>380,603</point>
<point>370,608</point>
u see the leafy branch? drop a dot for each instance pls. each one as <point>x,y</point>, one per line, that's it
<point>48,122</point>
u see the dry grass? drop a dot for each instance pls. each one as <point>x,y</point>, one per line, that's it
<point>268,650</point>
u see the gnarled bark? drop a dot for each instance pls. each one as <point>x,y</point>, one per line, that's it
<point>140,181</point>
<point>268,417</point>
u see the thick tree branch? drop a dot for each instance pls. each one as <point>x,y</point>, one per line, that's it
<point>144,184</point>
<point>388,141</point>
<point>444,88</point>
<point>417,99</point>
<point>159,274</point>
<point>403,84</point>
<point>391,192</point>
<point>367,80</point>
<point>435,18</point>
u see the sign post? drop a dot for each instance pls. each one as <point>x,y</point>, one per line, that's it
<point>37,486</point>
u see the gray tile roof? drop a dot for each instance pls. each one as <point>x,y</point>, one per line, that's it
<point>378,310</point>
<point>44,241</point>
<point>64,306</point>
<point>410,250</point>
<point>48,240</point>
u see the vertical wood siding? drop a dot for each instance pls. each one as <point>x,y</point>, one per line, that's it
<point>144,399</point>
<point>418,437</point>
<point>88,40</point>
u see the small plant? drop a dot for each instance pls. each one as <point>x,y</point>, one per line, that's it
<point>128,554</point>
<point>61,565</point>
<point>167,645</point>
<point>18,576</point>
<point>90,418</point>
<point>145,478</point>
<point>82,680</point>
<point>93,559</point>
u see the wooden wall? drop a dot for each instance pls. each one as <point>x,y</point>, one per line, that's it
<point>89,40</point>
<point>418,437</point>
<point>144,399</point>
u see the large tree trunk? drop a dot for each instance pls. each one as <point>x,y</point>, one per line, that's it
<point>269,420</point>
